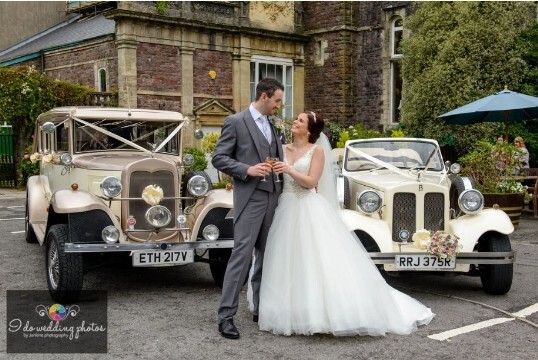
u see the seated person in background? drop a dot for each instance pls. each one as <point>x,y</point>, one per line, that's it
<point>524,155</point>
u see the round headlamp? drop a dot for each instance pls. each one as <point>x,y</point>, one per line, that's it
<point>66,159</point>
<point>211,232</point>
<point>471,201</point>
<point>110,234</point>
<point>158,216</point>
<point>198,185</point>
<point>369,201</point>
<point>111,186</point>
<point>455,168</point>
<point>188,159</point>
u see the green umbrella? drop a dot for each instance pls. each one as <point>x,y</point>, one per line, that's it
<point>500,107</point>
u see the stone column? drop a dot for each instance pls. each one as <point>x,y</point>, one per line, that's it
<point>127,73</point>
<point>298,85</point>
<point>187,96</point>
<point>241,73</point>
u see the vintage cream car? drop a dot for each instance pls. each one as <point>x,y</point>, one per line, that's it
<point>113,183</point>
<point>399,187</point>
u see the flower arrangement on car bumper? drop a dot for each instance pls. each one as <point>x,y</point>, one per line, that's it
<point>443,245</point>
<point>437,243</point>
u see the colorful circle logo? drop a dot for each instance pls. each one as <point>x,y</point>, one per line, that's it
<point>57,312</point>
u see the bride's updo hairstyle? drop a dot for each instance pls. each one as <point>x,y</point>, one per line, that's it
<point>315,126</point>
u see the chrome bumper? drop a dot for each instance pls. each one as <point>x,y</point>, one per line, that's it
<point>508,257</point>
<point>190,245</point>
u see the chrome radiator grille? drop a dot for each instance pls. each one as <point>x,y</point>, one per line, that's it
<point>404,216</point>
<point>139,180</point>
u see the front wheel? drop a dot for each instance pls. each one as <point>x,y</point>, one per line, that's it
<point>64,271</point>
<point>496,278</point>
<point>218,264</point>
<point>29,233</point>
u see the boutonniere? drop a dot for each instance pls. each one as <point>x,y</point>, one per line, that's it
<point>277,123</point>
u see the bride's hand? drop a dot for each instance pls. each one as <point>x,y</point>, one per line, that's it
<point>280,167</point>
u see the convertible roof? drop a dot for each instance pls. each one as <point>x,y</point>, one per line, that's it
<point>100,113</point>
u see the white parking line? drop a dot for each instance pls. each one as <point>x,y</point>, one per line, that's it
<point>13,207</point>
<point>11,219</point>
<point>17,232</point>
<point>483,324</point>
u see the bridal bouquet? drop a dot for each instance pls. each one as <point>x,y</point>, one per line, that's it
<point>443,245</point>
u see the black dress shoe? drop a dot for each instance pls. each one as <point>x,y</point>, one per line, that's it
<point>255,318</point>
<point>228,330</point>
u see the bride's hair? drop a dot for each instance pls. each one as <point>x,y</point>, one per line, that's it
<point>315,126</point>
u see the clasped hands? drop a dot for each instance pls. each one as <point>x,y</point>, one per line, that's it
<point>263,169</point>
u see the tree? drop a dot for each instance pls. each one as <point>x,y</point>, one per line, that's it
<point>459,52</point>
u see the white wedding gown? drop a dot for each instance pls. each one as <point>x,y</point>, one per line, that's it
<point>318,279</point>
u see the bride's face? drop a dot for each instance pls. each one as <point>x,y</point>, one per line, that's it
<point>300,125</point>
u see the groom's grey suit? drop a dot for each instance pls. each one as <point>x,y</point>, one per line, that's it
<point>240,146</point>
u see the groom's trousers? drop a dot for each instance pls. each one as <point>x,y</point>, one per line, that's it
<point>250,233</point>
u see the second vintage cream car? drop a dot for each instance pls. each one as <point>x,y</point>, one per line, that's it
<point>397,190</point>
<point>115,182</point>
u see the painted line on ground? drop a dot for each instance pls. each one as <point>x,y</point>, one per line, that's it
<point>11,219</point>
<point>17,232</point>
<point>483,324</point>
<point>13,207</point>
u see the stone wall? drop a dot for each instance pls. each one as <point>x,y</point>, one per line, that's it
<point>79,64</point>
<point>205,88</point>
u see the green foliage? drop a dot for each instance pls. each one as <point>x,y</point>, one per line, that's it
<point>26,167</point>
<point>209,142</point>
<point>220,185</point>
<point>458,53</point>
<point>200,162</point>
<point>490,165</point>
<point>162,7</point>
<point>354,132</point>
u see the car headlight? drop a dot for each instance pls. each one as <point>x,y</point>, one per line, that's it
<point>158,216</point>
<point>369,201</point>
<point>455,168</point>
<point>111,186</point>
<point>198,185</point>
<point>471,201</point>
<point>211,232</point>
<point>110,234</point>
<point>66,159</point>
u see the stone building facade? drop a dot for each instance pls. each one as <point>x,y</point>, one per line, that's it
<point>204,58</point>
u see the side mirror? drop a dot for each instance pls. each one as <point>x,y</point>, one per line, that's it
<point>48,127</point>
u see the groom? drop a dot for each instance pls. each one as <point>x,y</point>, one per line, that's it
<point>247,138</point>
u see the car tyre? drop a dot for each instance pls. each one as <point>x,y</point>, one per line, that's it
<point>496,279</point>
<point>219,261</point>
<point>64,270</point>
<point>29,233</point>
<point>347,195</point>
<point>456,188</point>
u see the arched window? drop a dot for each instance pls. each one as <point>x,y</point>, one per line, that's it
<point>102,79</point>
<point>396,36</point>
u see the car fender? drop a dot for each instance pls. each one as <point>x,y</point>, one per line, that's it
<point>37,191</point>
<point>75,201</point>
<point>377,229</point>
<point>218,198</point>
<point>470,227</point>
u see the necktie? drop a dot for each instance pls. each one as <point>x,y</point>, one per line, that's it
<point>265,128</point>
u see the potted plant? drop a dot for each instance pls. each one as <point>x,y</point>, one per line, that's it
<point>495,169</point>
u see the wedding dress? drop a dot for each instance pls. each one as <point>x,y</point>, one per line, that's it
<point>318,279</point>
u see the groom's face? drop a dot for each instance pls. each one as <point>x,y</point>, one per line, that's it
<point>272,104</point>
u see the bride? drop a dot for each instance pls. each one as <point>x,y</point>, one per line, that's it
<point>317,278</point>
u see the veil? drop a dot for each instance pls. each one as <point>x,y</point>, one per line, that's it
<point>327,181</point>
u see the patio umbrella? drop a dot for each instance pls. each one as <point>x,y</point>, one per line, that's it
<point>500,107</point>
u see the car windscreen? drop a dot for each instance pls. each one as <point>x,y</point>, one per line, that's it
<point>403,154</point>
<point>147,134</point>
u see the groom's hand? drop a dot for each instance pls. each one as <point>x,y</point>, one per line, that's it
<point>259,170</point>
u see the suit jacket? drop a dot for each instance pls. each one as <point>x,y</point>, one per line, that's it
<point>237,149</point>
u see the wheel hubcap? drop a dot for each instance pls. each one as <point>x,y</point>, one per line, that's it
<point>54,265</point>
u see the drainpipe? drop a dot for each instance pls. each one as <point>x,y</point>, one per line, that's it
<point>42,56</point>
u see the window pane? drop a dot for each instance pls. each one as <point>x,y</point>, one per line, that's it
<point>396,100</point>
<point>397,39</point>
<point>279,73</point>
<point>262,71</point>
<point>102,80</point>
<point>289,76</point>
<point>252,72</point>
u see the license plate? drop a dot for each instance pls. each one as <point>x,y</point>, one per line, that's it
<point>156,258</point>
<point>423,262</point>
